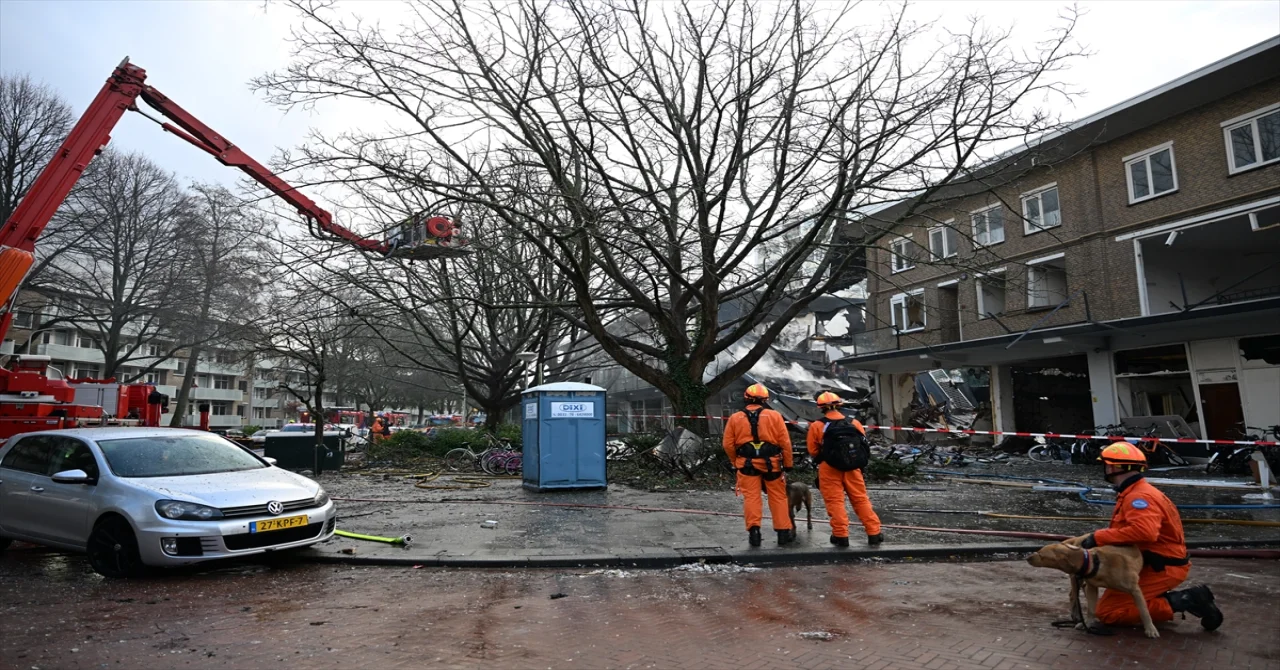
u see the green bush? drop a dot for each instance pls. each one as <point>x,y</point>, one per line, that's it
<point>446,439</point>
<point>250,430</point>
<point>510,432</point>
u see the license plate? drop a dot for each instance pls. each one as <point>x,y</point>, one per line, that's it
<point>278,524</point>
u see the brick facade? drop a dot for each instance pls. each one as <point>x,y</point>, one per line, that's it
<point>1095,208</point>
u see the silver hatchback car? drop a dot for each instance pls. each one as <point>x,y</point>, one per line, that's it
<point>138,497</point>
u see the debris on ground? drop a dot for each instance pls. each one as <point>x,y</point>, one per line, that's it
<point>609,573</point>
<point>557,596</point>
<point>818,635</point>
<point>714,568</point>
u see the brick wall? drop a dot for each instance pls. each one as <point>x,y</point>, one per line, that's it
<point>1094,200</point>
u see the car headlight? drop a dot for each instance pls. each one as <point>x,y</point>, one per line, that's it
<point>186,511</point>
<point>322,498</point>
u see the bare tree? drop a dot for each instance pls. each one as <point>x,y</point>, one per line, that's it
<point>305,344</point>
<point>219,249</point>
<point>34,121</point>
<point>678,156</point>
<point>122,284</point>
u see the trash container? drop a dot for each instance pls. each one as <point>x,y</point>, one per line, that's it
<point>563,432</point>
<point>298,451</point>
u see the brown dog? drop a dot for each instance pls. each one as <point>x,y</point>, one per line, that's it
<point>798,494</point>
<point>1112,567</point>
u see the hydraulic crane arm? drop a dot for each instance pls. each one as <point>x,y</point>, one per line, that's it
<point>419,237</point>
<point>92,133</point>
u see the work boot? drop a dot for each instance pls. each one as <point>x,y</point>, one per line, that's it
<point>786,536</point>
<point>875,540</point>
<point>1198,600</point>
<point>753,536</point>
<point>840,541</point>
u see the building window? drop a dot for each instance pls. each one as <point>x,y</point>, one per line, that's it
<point>944,242</point>
<point>22,319</point>
<point>153,377</point>
<point>907,310</point>
<point>223,382</point>
<point>86,371</point>
<point>182,368</point>
<point>1151,173</point>
<point>220,408</point>
<point>988,226</point>
<point>259,413</point>
<point>223,357</point>
<point>991,294</point>
<point>153,350</point>
<point>1041,210</point>
<point>903,254</point>
<point>1254,139</point>
<point>1046,282</point>
<point>88,342</point>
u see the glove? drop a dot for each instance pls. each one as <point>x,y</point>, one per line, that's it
<point>1089,542</point>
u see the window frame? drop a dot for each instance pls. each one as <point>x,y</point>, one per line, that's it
<point>1145,155</point>
<point>894,255</point>
<point>977,286</point>
<point>1250,119</point>
<point>1027,228</point>
<point>901,298</point>
<point>1033,265</point>
<point>946,226</point>
<point>973,224</point>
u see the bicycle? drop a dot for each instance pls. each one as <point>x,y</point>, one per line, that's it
<point>1159,453</point>
<point>1234,459</point>
<point>465,459</point>
<point>502,462</point>
<point>1048,450</point>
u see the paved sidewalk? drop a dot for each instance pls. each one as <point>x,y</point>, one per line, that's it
<point>603,528</point>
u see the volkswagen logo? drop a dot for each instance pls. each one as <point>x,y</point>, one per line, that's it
<point>275,507</point>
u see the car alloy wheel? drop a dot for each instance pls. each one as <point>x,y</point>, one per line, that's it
<point>113,549</point>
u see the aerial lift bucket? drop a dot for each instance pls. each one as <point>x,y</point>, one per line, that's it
<point>14,264</point>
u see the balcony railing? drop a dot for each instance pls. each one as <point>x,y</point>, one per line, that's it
<point>201,393</point>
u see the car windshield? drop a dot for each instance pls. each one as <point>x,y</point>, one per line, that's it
<point>297,428</point>
<point>176,455</point>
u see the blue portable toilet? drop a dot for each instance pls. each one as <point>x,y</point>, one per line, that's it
<point>563,430</point>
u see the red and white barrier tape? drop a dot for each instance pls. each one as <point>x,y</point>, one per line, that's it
<point>1069,436</point>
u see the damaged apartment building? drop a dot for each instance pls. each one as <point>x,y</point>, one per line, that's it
<point>1125,269</point>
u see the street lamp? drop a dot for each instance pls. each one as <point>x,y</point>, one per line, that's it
<point>528,357</point>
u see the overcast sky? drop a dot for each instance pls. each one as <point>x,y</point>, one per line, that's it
<point>202,55</point>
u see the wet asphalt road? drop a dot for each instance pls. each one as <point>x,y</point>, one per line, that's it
<point>55,613</point>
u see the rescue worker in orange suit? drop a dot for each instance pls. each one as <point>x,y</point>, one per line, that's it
<point>835,484</point>
<point>1145,518</point>
<point>759,447</point>
<point>375,431</point>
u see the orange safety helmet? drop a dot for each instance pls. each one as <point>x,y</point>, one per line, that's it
<point>829,399</point>
<point>756,392</point>
<point>1124,454</point>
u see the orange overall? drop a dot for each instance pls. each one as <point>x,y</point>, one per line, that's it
<point>835,485</point>
<point>773,430</point>
<point>1145,518</point>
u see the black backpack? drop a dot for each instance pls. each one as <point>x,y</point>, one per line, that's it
<point>844,447</point>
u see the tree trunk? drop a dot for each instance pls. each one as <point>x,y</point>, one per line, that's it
<point>180,404</point>
<point>688,395</point>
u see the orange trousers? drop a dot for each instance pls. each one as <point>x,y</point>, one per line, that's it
<point>751,487</point>
<point>835,485</point>
<point>1117,607</point>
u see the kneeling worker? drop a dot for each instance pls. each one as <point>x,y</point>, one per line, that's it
<point>759,448</point>
<point>831,438</point>
<point>1146,519</point>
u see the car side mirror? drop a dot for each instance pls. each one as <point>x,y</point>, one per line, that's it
<point>73,477</point>
<point>269,460</point>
